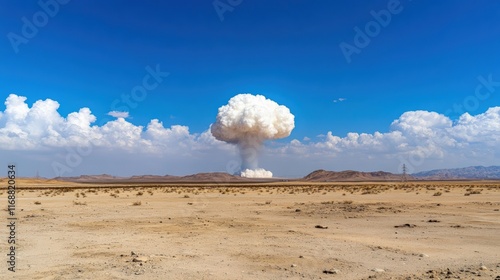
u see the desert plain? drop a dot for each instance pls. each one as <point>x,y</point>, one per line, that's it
<point>278,230</point>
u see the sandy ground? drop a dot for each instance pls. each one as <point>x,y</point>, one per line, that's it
<point>340,231</point>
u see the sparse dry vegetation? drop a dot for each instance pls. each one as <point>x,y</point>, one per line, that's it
<point>79,203</point>
<point>282,215</point>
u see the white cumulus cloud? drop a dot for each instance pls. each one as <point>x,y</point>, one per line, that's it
<point>38,137</point>
<point>118,114</point>
<point>420,139</point>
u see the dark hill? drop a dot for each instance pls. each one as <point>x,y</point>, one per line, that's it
<point>351,175</point>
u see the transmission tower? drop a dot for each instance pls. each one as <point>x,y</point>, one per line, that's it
<point>404,177</point>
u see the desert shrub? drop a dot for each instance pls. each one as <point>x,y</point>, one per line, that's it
<point>79,203</point>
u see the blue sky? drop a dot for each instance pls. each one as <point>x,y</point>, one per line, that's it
<point>428,57</point>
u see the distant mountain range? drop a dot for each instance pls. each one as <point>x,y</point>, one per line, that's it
<point>471,172</point>
<point>214,177</point>
<point>352,176</point>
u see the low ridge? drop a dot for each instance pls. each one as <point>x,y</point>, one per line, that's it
<point>351,175</point>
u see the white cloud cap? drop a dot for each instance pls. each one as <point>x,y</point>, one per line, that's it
<point>256,173</point>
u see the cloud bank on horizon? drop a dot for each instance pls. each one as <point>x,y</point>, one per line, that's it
<point>38,137</point>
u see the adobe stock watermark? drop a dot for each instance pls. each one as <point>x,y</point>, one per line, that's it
<point>414,160</point>
<point>223,6</point>
<point>31,27</point>
<point>362,37</point>
<point>483,91</point>
<point>75,156</point>
<point>139,93</point>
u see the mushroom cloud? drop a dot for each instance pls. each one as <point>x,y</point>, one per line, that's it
<point>247,121</point>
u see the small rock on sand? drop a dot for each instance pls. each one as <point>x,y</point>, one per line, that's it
<point>331,271</point>
<point>321,227</point>
<point>140,259</point>
<point>378,270</point>
<point>406,226</point>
